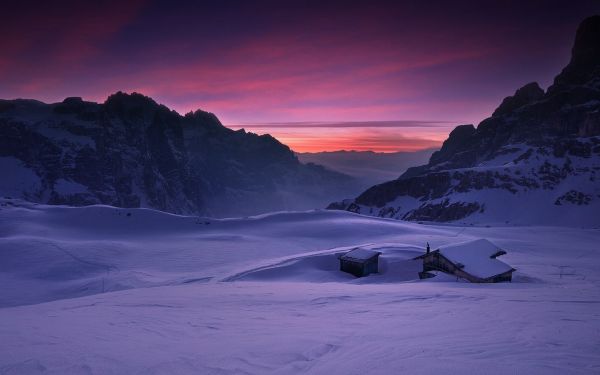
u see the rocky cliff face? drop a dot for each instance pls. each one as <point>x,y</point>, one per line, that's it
<point>132,152</point>
<point>535,159</point>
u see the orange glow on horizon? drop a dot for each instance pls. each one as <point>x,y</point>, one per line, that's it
<point>372,136</point>
<point>326,145</point>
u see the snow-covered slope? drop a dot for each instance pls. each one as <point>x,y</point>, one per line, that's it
<point>141,291</point>
<point>523,184</point>
<point>535,160</point>
<point>61,252</point>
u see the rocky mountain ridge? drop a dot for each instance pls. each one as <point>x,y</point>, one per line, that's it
<point>538,152</point>
<point>132,152</point>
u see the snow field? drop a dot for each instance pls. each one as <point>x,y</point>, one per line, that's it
<point>97,291</point>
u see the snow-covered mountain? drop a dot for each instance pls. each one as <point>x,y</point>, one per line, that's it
<point>535,160</point>
<point>132,152</point>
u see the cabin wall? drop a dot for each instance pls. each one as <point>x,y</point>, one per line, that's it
<point>435,261</point>
<point>467,276</point>
<point>505,277</point>
<point>371,266</point>
<point>353,268</point>
<point>360,269</point>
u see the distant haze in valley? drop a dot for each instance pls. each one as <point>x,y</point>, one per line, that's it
<point>368,167</point>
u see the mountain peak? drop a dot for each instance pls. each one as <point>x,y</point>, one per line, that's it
<point>522,162</point>
<point>203,117</point>
<point>122,100</point>
<point>523,96</point>
<point>457,139</point>
<point>585,56</point>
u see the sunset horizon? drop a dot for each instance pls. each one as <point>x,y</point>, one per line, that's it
<point>376,136</point>
<point>333,63</point>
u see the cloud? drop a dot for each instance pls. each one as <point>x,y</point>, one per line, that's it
<point>347,124</point>
<point>53,39</point>
<point>328,64</point>
<point>380,136</point>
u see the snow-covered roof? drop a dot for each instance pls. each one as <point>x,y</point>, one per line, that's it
<point>360,254</point>
<point>477,257</point>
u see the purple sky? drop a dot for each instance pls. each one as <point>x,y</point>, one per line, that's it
<point>406,71</point>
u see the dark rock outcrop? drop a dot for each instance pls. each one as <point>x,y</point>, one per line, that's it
<point>444,211</point>
<point>573,197</point>
<point>525,95</point>
<point>459,139</point>
<point>585,57</point>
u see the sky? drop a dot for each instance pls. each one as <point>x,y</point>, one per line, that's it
<point>318,75</point>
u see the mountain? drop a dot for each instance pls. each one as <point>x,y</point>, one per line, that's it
<point>132,152</point>
<point>368,167</point>
<point>535,160</point>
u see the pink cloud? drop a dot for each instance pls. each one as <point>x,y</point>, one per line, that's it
<point>360,136</point>
<point>356,62</point>
<point>54,40</point>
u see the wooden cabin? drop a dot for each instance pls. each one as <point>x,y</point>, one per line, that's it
<point>360,262</point>
<point>474,261</point>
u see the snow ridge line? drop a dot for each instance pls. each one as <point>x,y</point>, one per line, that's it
<point>288,260</point>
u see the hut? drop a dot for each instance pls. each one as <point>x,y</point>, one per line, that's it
<point>360,262</point>
<point>474,261</point>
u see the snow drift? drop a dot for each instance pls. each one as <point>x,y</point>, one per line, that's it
<point>141,291</point>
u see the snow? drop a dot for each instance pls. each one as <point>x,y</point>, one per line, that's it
<point>63,186</point>
<point>399,207</point>
<point>476,257</point>
<point>359,254</point>
<point>523,194</point>
<point>129,291</point>
<point>43,119</point>
<point>17,179</point>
